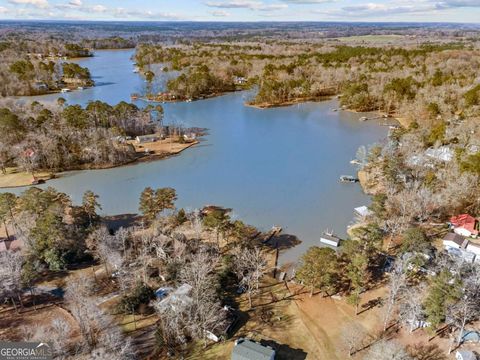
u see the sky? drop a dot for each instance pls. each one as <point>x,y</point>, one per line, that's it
<point>463,11</point>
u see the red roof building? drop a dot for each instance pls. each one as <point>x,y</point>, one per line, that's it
<point>465,225</point>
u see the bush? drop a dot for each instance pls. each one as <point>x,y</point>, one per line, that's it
<point>141,295</point>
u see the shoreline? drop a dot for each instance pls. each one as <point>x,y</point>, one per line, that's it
<point>296,101</point>
<point>145,158</point>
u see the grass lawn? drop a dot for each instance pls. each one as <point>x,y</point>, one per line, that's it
<point>15,178</point>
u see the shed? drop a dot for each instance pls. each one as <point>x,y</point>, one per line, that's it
<point>453,240</point>
<point>465,355</point>
<point>330,239</point>
<point>246,349</point>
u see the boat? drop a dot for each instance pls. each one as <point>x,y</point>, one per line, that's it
<point>363,118</point>
<point>348,179</point>
<point>65,90</point>
<point>355,162</point>
<point>80,88</point>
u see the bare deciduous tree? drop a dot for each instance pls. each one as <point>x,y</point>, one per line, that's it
<point>250,266</point>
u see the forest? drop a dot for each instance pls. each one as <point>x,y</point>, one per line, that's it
<point>62,137</point>
<point>183,283</point>
<point>416,82</point>
<point>31,67</point>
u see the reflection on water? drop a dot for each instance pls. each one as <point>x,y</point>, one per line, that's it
<point>276,166</point>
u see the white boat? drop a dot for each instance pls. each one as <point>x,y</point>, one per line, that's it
<point>80,88</point>
<point>363,118</point>
<point>65,90</point>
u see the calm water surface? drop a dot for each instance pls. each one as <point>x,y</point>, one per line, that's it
<point>276,166</point>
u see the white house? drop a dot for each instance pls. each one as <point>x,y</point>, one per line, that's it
<point>473,248</point>
<point>147,138</point>
<point>442,153</point>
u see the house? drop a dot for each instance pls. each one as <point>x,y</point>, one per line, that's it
<point>227,328</point>
<point>39,85</point>
<point>362,211</point>
<point>473,248</point>
<point>465,355</point>
<point>246,349</point>
<point>330,239</point>
<point>442,153</point>
<point>471,336</point>
<point>467,256</point>
<point>456,241</point>
<point>465,225</point>
<point>177,299</point>
<point>141,139</point>
<point>239,80</point>
<point>190,137</point>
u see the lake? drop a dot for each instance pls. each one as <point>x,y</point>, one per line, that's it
<point>273,167</point>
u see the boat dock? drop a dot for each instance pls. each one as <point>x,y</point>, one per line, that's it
<point>348,179</point>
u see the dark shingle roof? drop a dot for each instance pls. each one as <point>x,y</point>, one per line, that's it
<point>457,239</point>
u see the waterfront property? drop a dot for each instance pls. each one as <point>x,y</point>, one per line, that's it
<point>465,225</point>
<point>241,163</point>
<point>147,138</point>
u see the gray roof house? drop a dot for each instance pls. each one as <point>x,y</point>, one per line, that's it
<point>246,349</point>
<point>465,355</point>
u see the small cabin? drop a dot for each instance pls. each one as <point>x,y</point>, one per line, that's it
<point>456,241</point>
<point>330,239</point>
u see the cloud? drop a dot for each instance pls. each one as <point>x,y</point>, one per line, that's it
<point>139,14</point>
<point>457,4</point>
<point>307,2</point>
<point>99,8</point>
<point>3,10</point>
<point>246,4</point>
<point>220,13</point>
<point>41,4</point>
<point>75,2</point>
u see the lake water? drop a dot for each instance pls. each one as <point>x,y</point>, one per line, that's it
<point>273,167</point>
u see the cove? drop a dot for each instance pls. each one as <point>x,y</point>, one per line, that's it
<point>275,166</point>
